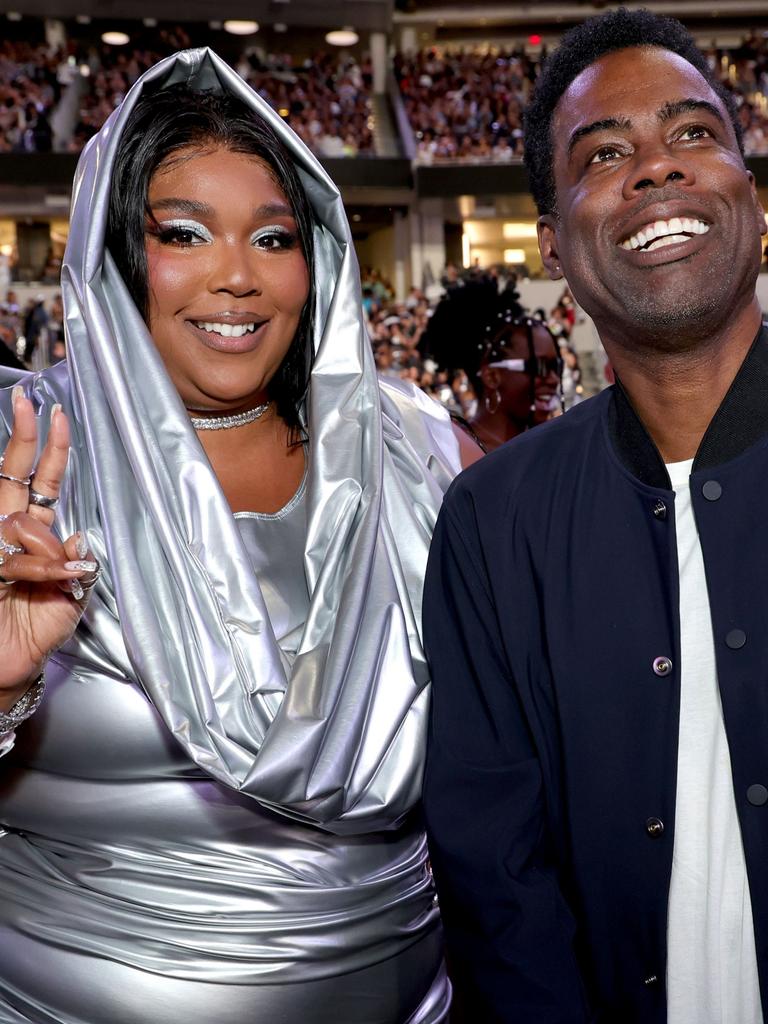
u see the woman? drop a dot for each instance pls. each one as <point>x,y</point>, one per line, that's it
<point>518,380</point>
<point>209,818</point>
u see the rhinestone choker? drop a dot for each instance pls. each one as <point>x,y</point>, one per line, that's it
<point>225,422</point>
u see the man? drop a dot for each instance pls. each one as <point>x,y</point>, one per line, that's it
<point>596,786</point>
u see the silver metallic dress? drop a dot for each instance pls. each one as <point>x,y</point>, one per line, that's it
<point>211,819</point>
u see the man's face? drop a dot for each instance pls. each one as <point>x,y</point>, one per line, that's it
<point>658,227</point>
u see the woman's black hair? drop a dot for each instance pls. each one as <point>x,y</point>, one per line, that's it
<point>581,47</point>
<point>166,121</point>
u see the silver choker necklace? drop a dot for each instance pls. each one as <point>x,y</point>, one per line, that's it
<point>225,422</point>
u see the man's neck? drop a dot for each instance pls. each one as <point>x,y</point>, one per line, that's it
<point>676,395</point>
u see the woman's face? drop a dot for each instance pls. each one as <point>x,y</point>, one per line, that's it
<point>227,276</point>
<point>514,386</point>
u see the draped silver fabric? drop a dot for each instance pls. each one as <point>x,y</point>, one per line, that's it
<point>257,846</point>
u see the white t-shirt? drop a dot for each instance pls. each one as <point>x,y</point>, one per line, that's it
<point>712,964</point>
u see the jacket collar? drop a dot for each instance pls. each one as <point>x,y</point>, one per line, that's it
<point>740,421</point>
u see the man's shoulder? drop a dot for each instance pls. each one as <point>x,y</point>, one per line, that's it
<point>537,455</point>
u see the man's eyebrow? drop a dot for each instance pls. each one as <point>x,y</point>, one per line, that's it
<point>621,124</point>
<point>676,107</point>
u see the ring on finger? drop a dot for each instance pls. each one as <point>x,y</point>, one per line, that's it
<point>6,547</point>
<point>90,582</point>
<point>42,500</point>
<point>24,481</point>
<point>7,583</point>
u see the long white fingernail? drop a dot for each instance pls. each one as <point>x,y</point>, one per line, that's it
<point>77,591</point>
<point>81,566</point>
<point>16,394</point>
<point>54,410</point>
<point>81,545</point>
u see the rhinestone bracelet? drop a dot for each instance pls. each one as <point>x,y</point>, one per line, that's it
<point>24,707</point>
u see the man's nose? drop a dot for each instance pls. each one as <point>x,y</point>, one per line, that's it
<point>656,167</point>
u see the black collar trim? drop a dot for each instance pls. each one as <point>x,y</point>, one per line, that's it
<point>740,422</point>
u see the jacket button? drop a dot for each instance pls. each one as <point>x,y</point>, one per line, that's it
<point>654,827</point>
<point>662,666</point>
<point>711,490</point>
<point>757,795</point>
<point>660,509</point>
<point>736,639</point>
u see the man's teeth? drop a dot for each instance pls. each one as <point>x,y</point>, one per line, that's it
<point>665,232</point>
<point>227,330</point>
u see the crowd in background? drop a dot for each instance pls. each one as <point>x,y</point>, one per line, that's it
<point>30,87</point>
<point>463,104</point>
<point>467,104</point>
<point>32,332</point>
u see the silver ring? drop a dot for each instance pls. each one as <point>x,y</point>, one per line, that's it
<point>24,481</point>
<point>36,498</point>
<point>91,582</point>
<point>6,547</point>
<point>7,583</point>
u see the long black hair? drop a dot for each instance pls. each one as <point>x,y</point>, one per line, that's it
<point>166,121</point>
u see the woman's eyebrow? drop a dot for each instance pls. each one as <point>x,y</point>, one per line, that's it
<point>191,206</point>
<point>273,210</point>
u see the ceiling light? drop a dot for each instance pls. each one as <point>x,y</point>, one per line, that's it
<point>241,28</point>
<point>83,19</point>
<point>115,38</point>
<point>343,37</point>
<point>280,26</point>
<point>215,26</point>
<point>13,16</point>
<point>149,22</point>
<point>514,256</point>
<point>85,71</point>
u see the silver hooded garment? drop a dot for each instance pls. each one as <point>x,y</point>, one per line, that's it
<point>200,824</point>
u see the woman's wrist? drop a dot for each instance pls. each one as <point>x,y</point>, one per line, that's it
<point>20,703</point>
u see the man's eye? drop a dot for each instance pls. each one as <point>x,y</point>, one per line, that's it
<point>604,154</point>
<point>695,131</point>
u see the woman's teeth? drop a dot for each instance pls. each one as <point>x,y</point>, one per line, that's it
<point>665,232</point>
<point>227,330</point>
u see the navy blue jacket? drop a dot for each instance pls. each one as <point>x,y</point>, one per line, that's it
<point>551,608</point>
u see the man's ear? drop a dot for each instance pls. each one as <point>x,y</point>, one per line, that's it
<point>546,227</point>
<point>758,204</point>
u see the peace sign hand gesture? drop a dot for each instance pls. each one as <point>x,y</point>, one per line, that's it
<point>44,583</point>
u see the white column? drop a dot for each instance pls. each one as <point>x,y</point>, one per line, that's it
<point>55,33</point>
<point>402,260</point>
<point>408,42</point>
<point>378,44</point>
<point>432,241</point>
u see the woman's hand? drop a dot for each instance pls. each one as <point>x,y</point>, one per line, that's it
<point>44,583</point>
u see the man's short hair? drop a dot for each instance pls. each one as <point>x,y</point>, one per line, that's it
<point>581,47</point>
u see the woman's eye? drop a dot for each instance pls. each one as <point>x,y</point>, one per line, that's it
<point>183,235</point>
<point>274,239</point>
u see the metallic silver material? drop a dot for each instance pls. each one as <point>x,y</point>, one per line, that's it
<point>218,825</point>
<point>240,419</point>
<point>42,500</point>
<point>24,707</point>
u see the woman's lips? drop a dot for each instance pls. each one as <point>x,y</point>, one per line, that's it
<point>219,343</point>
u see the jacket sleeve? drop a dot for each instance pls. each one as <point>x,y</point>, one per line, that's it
<point>508,929</point>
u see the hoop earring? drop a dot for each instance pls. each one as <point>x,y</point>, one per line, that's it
<point>487,404</point>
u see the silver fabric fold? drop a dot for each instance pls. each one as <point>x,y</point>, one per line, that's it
<point>141,850</point>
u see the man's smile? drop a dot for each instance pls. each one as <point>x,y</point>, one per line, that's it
<point>660,233</point>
